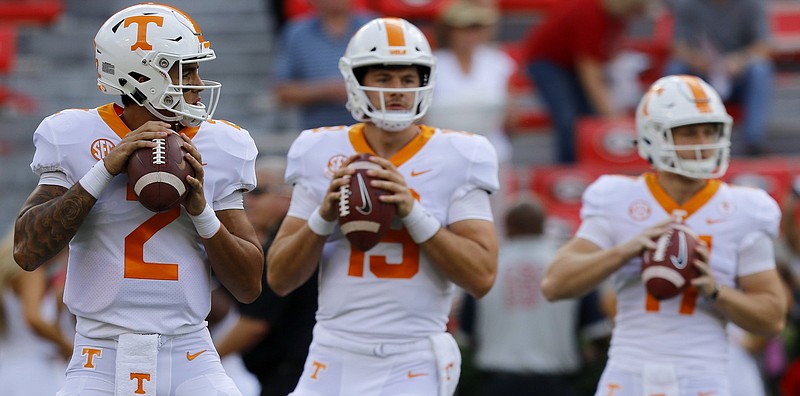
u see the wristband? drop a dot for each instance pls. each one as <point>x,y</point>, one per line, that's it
<point>420,225</point>
<point>319,225</point>
<point>206,223</point>
<point>96,179</point>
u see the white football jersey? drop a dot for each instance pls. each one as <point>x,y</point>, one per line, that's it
<point>685,329</point>
<point>130,269</point>
<point>393,291</point>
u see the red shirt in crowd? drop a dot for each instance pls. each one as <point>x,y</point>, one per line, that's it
<point>574,29</point>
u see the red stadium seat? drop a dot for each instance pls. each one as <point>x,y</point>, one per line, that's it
<point>774,175</point>
<point>8,56</point>
<point>30,11</point>
<point>603,141</point>
<point>785,23</point>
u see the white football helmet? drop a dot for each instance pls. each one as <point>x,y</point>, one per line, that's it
<point>679,100</point>
<point>135,50</point>
<point>388,41</point>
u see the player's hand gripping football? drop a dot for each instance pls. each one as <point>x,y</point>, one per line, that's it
<point>330,203</point>
<point>195,200</point>
<point>636,246</point>
<point>117,159</point>
<point>390,180</point>
<point>704,282</point>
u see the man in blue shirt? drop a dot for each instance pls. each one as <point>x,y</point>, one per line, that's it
<point>307,71</point>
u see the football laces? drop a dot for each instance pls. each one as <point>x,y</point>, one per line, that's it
<point>159,151</point>
<point>344,201</point>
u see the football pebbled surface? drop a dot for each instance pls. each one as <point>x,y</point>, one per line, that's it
<point>668,269</point>
<point>158,175</point>
<point>363,218</point>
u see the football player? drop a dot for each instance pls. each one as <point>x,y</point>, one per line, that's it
<point>676,346</point>
<point>382,313</point>
<point>139,281</point>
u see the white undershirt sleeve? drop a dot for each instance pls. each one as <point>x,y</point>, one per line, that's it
<point>54,178</point>
<point>303,202</point>
<point>474,205</point>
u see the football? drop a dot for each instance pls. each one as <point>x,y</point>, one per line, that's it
<point>363,218</point>
<point>158,175</point>
<point>668,269</point>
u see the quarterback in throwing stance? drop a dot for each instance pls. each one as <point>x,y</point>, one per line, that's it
<point>382,313</point>
<point>676,346</point>
<point>139,281</point>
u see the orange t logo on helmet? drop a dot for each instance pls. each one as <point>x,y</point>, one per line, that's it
<point>700,97</point>
<point>395,35</point>
<point>141,22</point>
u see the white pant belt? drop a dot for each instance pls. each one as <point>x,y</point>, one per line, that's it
<point>324,337</point>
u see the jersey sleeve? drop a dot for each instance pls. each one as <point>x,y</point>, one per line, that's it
<point>766,211</point>
<point>295,171</point>
<point>304,197</point>
<point>765,217</point>
<point>51,151</point>
<point>595,223</point>
<point>238,153</point>
<point>481,165</point>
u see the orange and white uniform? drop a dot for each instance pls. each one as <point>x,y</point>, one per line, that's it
<point>681,338</point>
<point>132,270</point>
<point>383,305</point>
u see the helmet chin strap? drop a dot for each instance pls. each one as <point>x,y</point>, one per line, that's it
<point>391,126</point>
<point>184,121</point>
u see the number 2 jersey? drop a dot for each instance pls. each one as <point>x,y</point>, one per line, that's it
<point>684,329</point>
<point>130,269</point>
<point>393,291</point>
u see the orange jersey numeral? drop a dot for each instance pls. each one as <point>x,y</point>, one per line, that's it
<point>135,266</point>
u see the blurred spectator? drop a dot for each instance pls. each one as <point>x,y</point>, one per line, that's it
<point>307,69</point>
<point>525,344</point>
<point>566,55</point>
<point>34,346</point>
<point>272,333</point>
<point>221,319</point>
<point>725,42</point>
<point>471,92</point>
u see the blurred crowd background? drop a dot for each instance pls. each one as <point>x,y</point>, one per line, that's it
<point>490,83</point>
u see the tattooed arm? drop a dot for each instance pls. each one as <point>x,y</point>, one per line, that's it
<point>47,221</point>
<point>51,215</point>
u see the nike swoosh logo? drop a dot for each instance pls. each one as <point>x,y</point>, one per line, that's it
<point>682,259</point>
<point>415,173</point>
<point>710,221</point>
<point>366,203</point>
<point>415,375</point>
<point>192,356</point>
